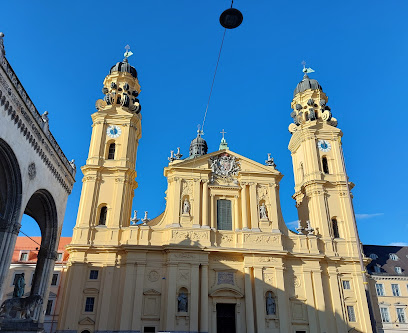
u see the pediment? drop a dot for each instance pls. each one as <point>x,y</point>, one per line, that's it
<point>203,164</point>
<point>151,292</point>
<point>86,321</point>
<point>226,292</point>
<point>91,291</point>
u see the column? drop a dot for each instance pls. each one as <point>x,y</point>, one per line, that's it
<point>236,213</point>
<point>341,321</point>
<point>244,207</point>
<point>138,297</point>
<point>253,205</point>
<point>249,304</point>
<point>176,202</point>
<point>320,303</point>
<point>105,300</point>
<point>171,296</point>
<point>205,222</point>
<point>194,292</point>
<point>283,307</point>
<point>196,203</point>
<point>260,304</point>
<point>204,299</point>
<point>310,301</point>
<point>213,212</point>
<point>273,212</point>
<point>128,290</point>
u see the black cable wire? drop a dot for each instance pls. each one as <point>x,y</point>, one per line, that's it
<point>215,73</point>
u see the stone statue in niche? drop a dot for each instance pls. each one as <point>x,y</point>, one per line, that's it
<point>186,206</point>
<point>262,212</point>
<point>270,305</point>
<point>182,302</point>
<point>19,286</point>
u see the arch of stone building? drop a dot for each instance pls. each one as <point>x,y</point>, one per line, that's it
<point>41,207</point>
<point>10,207</point>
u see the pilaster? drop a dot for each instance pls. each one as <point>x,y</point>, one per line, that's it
<point>204,299</point>
<point>244,206</point>
<point>249,303</point>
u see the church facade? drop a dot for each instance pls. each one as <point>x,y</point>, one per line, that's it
<point>220,257</point>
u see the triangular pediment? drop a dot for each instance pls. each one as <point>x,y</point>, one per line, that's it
<point>203,163</point>
<point>86,321</point>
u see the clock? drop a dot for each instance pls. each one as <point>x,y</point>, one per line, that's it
<point>113,131</point>
<point>324,145</point>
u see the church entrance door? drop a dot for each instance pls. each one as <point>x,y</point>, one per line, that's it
<point>225,318</point>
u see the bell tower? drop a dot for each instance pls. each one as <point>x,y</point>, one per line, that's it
<point>109,172</point>
<point>322,189</point>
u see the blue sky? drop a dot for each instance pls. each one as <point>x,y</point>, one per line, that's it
<point>62,51</point>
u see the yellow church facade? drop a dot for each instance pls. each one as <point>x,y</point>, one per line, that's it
<point>220,258</point>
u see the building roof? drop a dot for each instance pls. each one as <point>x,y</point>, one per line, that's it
<point>387,258</point>
<point>30,246</point>
<point>306,84</point>
<point>124,66</point>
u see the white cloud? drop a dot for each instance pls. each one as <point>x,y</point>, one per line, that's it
<point>367,216</point>
<point>398,244</point>
<point>292,224</point>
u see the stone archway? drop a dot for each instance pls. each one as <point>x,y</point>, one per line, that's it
<point>41,207</point>
<point>10,207</point>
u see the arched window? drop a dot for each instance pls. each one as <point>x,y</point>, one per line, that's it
<point>335,227</point>
<point>325,165</point>
<point>111,152</point>
<point>393,256</point>
<point>102,215</point>
<point>373,256</point>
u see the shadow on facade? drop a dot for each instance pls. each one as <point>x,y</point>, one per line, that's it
<point>184,287</point>
<point>41,207</point>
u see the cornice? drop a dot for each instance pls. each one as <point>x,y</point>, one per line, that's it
<point>23,100</point>
<point>44,145</point>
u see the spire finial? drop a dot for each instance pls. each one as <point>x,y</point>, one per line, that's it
<point>127,53</point>
<point>199,130</point>
<point>223,144</point>
<point>306,70</point>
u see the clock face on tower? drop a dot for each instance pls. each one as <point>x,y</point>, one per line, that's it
<point>113,131</point>
<point>324,145</point>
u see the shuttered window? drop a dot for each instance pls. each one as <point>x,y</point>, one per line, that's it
<point>224,217</point>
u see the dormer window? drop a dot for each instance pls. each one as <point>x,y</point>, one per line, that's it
<point>373,256</point>
<point>59,256</point>
<point>394,257</point>
<point>377,269</point>
<point>24,256</point>
<point>398,270</point>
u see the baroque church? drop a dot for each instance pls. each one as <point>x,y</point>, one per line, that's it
<point>220,257</point>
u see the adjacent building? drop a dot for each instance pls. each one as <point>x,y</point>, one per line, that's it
<point>389,286</point>
<point>220,257</point>
<point>24,261</point>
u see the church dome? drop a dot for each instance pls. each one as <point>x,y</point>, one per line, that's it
<point>307,83</point>
<point>124,66</point>
<point>198,147</point>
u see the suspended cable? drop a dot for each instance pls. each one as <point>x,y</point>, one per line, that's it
<point>29,237</point>
<point>212,84</point>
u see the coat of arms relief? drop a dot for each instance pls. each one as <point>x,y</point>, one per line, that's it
<point>224,167</point>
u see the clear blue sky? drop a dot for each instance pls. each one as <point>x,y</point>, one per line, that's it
<point>62,50</point>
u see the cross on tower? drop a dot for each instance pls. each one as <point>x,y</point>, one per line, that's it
<point>223,132</point>
<point>128,53</point>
